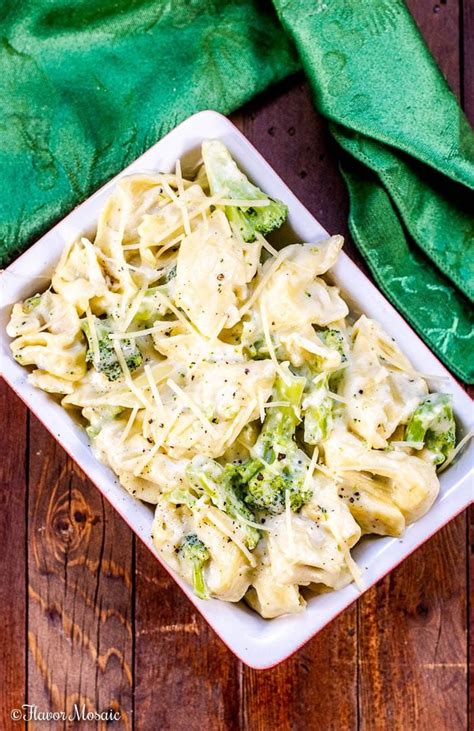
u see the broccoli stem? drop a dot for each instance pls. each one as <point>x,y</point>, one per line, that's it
<point>432,423</point>
<point>317,411</point>
<point>107,361</point>
<point>194,552</point>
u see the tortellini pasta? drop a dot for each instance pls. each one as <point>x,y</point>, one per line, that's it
<point>228,385</point>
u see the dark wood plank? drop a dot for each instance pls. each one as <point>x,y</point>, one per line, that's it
<point>468,56</point>
<point>412,641</point>
<point>439,24</point>
<point>80,590</point>
<point>315,689</point>
<point>185,677</point>
<point>13,498</point>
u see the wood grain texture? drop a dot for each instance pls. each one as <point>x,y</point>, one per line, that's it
<point>185,677</point>
<point>13,495</point>
<point>315,689</point>
<point>80,633</point>
<point>412,641</point>
<point>467,17</point>
<point>440,25</point>
<point>89,616</point>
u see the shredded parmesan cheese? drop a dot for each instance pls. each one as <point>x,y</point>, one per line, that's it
<point>128,378</point>
<point>220,522</point>
<point>154,390</point>
<point>94,338</point>
<point>157,327</point>
<point>284,254</point>
<point>187,401</point>
<point>336,397</point>
<point>271,350</point>
<point>326,471</point>
<point>130,422</point>
<point>311,468</point>
<point>458,448</point>
<point>178,314</point>
<point>134,305</point>
<point>262,240</point>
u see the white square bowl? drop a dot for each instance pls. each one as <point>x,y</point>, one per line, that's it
<point>257,642</point>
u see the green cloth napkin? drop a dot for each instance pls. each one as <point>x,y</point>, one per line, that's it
<point>87,86</point>
<point>408,160</point>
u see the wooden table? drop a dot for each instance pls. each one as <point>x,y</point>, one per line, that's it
<point>87,615</point>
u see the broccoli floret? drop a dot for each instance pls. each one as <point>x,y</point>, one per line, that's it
<point>32,302</point>
<point>207,476</point>
<point>335,340</point>
<point>225,177</point>
<point>278,465</point>
<point>433,423</point>
<point>107,361</point>
<point>194,552</point>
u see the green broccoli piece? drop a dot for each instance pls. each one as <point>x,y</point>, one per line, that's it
<point>317,405</point>
<point>180,496</point>
<point>433,423</point>
<point>208,477</point>
<point>278,465</point>
<point>335,340</point>
<point>225,177</point>
<point>32,302</point>
<point>107,361</point>
<point>151,307</point>
<point>193,551</point>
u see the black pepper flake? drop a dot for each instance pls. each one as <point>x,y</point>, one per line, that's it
<point>281,456</point>
<point>260,476</point>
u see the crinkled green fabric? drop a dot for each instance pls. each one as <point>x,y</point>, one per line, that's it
<point>87,86</point>
<point>408,162</point>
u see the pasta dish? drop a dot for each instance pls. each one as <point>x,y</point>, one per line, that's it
<point>226,383</point>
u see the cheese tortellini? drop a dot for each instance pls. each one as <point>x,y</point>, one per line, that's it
<point>228,385</point>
